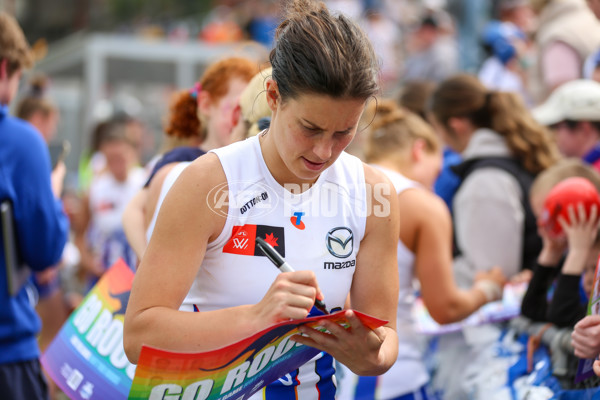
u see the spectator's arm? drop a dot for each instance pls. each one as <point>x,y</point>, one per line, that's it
<point>534,305</point>
<point>566,307</point>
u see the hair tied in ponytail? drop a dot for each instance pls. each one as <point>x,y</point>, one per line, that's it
<point>195,90</point>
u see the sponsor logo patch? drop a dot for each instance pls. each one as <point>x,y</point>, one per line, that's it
<point>253,201</point>
<point>339,265</point>
<point>243,239</point>
<point>340,242</point>
<point>243,197</point>
<point>297,221</point>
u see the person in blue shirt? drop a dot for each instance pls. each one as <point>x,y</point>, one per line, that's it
<point>447,182</point>
<point>41,225</point>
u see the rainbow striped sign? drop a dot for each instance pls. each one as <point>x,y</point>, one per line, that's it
<point>232,372</point>
<point>86,359</point>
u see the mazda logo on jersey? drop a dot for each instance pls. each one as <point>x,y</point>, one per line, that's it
<point>243,239</point>
<point>340,242</point>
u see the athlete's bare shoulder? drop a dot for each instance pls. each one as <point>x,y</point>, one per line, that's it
<point>192,194</point>
<point>204,173</point>
<point>374,175</point>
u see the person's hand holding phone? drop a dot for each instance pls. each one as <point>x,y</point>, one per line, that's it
<point>58,152</point>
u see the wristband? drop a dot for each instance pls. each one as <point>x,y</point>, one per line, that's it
<point>490,289</point>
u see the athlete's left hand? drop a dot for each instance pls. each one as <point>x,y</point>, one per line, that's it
<point>358,347</point>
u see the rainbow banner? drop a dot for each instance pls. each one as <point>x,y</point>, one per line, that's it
<point>233,372</point>
<point>86,359</point>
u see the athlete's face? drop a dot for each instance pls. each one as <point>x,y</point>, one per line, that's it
<point>311,131</point>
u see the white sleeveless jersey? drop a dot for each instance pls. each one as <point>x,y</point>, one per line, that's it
<point>319,230</point>
<point>164,189</point>
<point>408,372</point>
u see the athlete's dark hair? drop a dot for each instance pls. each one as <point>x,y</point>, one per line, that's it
<point>322,53</point>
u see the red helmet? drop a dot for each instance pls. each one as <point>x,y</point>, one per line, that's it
<point>569,191</point>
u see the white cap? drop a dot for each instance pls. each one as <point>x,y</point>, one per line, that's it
<point>577,100</point>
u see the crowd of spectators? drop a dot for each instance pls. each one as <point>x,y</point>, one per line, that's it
<point>481,146</point>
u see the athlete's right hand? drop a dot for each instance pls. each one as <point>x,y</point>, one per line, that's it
<point>291,296</point>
